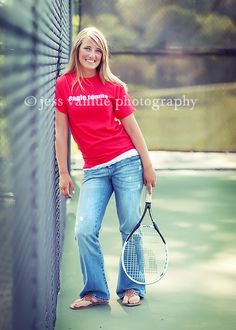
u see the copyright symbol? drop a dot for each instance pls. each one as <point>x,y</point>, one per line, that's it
<point>30,101</point>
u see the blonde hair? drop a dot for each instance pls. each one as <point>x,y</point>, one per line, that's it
<point>103,69</point>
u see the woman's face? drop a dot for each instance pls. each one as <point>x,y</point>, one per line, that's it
<point>90,56</point>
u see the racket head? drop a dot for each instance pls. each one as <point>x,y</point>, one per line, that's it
<point>145,255</point>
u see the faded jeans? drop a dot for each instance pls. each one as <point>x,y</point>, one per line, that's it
<point>125,178</point>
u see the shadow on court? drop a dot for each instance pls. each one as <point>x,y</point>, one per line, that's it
<point>196,212</point>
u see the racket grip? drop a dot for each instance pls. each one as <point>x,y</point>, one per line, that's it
<point>148,197</point>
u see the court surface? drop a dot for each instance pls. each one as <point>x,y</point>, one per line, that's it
<point>196,211</point>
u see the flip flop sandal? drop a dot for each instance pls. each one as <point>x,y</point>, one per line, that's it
<point>129,294</point>
<point>91,301</point>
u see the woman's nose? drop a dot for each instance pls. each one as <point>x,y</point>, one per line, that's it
<point>92,54</point>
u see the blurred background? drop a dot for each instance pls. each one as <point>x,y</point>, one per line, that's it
<point>167,50</point>
<point>179,61</point>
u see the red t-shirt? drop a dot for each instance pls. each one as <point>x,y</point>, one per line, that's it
<point>93,116</point>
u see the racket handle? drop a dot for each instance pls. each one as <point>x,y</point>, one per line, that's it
<point>149,197</point>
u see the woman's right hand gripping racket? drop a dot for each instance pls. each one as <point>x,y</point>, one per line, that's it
<point>145,254</point>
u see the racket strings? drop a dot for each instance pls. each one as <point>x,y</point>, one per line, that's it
<point>145,255</point>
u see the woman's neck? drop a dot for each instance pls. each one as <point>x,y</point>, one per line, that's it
<point>88,73</point>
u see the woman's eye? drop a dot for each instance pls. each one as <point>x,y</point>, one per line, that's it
<point>98,51</point>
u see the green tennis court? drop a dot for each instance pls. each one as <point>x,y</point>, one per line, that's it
<point>196,212</point>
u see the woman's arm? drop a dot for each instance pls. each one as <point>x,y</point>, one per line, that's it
<point>131,126</point>
<point>61,144</point>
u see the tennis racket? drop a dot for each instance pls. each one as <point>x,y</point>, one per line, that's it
<point>145,253</point>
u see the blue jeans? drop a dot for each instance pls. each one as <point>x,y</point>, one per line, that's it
<point>125,178</point>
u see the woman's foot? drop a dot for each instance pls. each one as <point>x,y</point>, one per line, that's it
<point>87,301</point>
<point>131,298</point>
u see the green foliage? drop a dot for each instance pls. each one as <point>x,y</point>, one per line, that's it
<point>138,24</point>
<point>216,31</point>
<point>171,26</point>
<point>117,34</point>
<point>75,26</point>
<point>132,69</point>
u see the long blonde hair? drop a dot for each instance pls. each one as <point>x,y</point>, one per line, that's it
<point>103,69</point>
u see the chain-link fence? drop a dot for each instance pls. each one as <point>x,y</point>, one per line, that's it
<point>179,60</point>
<point>35,45</point>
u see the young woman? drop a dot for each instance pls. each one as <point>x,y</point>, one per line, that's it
<point>94,104</point>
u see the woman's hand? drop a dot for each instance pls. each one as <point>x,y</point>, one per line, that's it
<point>66,185</point>
<point>149,176</point>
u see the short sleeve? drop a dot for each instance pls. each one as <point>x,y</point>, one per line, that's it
<point>122,104</point>
<point>60,100</point>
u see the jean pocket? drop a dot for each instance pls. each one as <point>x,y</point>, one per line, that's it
<point>132,165</point>
<point>136,160</point>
